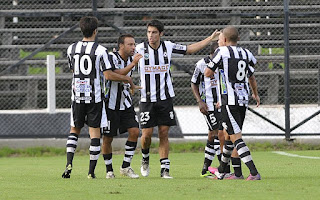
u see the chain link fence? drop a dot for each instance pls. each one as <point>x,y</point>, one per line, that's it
<point>27,25</point>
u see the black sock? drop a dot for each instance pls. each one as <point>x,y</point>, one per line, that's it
<point>236,164</point>
<point>130,148</point>
<point>225,158</point>
<point>108,161</point>
<point>145,154</point>
<point>209,153</point>
<point>72,143</point>
<point>165,165</point>
<point>245,156</point>
<point>94,154</point>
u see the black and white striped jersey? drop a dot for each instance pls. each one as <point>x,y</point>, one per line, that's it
<point>154,69</point>
<point>87,60</point>
<point>118,93</point>
<point>208,87</point>
<point>235,65</point>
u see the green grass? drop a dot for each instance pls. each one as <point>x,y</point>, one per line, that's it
<point>41,55</point>
<point>40,178</point>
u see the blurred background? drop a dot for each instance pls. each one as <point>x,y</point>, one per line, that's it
<point>32,29</point>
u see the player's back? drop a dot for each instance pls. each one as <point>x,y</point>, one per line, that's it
<point>86,60</point>
<point>236,64</point>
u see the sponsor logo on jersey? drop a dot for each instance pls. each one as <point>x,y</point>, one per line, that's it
<point>82,98</point>
<point>179,47</point>
<point>157,68</point>
<point>223,82</point>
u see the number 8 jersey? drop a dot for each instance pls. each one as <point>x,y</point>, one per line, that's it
<point>235,65</point>
<point>87,60</point>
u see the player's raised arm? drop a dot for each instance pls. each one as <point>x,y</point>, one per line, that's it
<point>195,47</point>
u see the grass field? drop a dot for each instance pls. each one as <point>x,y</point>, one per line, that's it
<point>283,177</point>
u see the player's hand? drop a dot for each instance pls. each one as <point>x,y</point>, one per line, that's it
<point>136,58</point>
<point>135,87</point>
<point>203,107</point>
<point>218,105</point>
<point>215,35</point>
<point>257,98</point>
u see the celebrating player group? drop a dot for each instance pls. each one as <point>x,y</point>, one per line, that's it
<point>101,97</point>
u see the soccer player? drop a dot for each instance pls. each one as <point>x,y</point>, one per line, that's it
<point>235,65</point>
<point>206,90</point>
<point>120,111</point>
<point>156,105</point>
<point>87,59</point>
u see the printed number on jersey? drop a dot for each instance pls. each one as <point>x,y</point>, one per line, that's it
<point>241,74</point>
<point>83,64</point>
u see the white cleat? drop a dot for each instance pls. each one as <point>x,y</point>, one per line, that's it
<point>128,171</point>
<point>110,175</point>
<point>166,175</point>
<point>145,170</point>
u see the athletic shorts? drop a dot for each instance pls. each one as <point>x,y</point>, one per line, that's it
<point>89,113</point>
<point>119,121</point>
<point>233,118</point>
<point>157,113</point>
<point>213,119</point>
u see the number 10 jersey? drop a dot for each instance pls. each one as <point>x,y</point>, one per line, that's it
<point>235,65</point>
<point>87,60</point>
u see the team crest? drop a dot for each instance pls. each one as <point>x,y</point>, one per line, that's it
<point>165,54</point>
<point>210,64</point>
<point>146,56</point>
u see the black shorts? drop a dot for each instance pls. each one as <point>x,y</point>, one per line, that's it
<point>89,113</point>
<point>233,118</point>
<point>213,120</point>
<point>157,113</point>
<point>119,121</point>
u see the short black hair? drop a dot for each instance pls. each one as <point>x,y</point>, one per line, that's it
<point>156,23</point>
<point>123,37</point>
<point>87,25</point>
<point>213,47</point>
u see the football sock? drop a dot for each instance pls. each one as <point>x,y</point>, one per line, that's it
<point>130,147</point>
<point>209,153</point>
<point>245,155</point>
<point>236,164</point>
<point>165,165</point>
<point>94,154</point>
<point>216,145</point>
<point>225,158</point>
<point>145,154</point>
<point>108,161</point>
<point>71,145</point>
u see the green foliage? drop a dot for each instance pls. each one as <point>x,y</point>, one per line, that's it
<point>41,70</point>
<point>42,54</point>
<point>274,51</point>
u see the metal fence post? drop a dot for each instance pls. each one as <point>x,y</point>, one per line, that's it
<point>51,84</point>
<point>287,69</point>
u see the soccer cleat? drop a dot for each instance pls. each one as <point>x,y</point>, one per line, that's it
<point>166,175</point>
<point>91,176</point>
<point>145,170</point>
<point>128,171</point>
<point>216,172</point>
<point>67,172</point>
<point>110,175</point>
<point>207,175</point>
<point>233,177</point>
<point>254,178</point>
<point>227,175</point>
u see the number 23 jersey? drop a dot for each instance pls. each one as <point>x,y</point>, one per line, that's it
<point>235,65</point>
<point>87,60</point>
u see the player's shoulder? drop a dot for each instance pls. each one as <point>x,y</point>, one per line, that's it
<point>140,46</point>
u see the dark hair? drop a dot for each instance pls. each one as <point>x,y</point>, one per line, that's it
<point>87,25</point>
<point>156,23</point>
<point>213,47</point>
<point>123,37</point>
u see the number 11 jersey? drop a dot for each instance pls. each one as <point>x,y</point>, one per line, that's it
<point>87,60</point>
<point>235,65</point>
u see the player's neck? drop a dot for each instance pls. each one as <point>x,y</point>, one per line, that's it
<point>123,55</point>
<point>155,45</point>
<point>231,44</point>
<point>89,39</point>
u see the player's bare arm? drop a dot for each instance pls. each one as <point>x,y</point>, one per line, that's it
<point>202,105</point>
<point>254,87</point>
<point>195,47</point>
<point>208,72</point>
<point>128,68</point>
